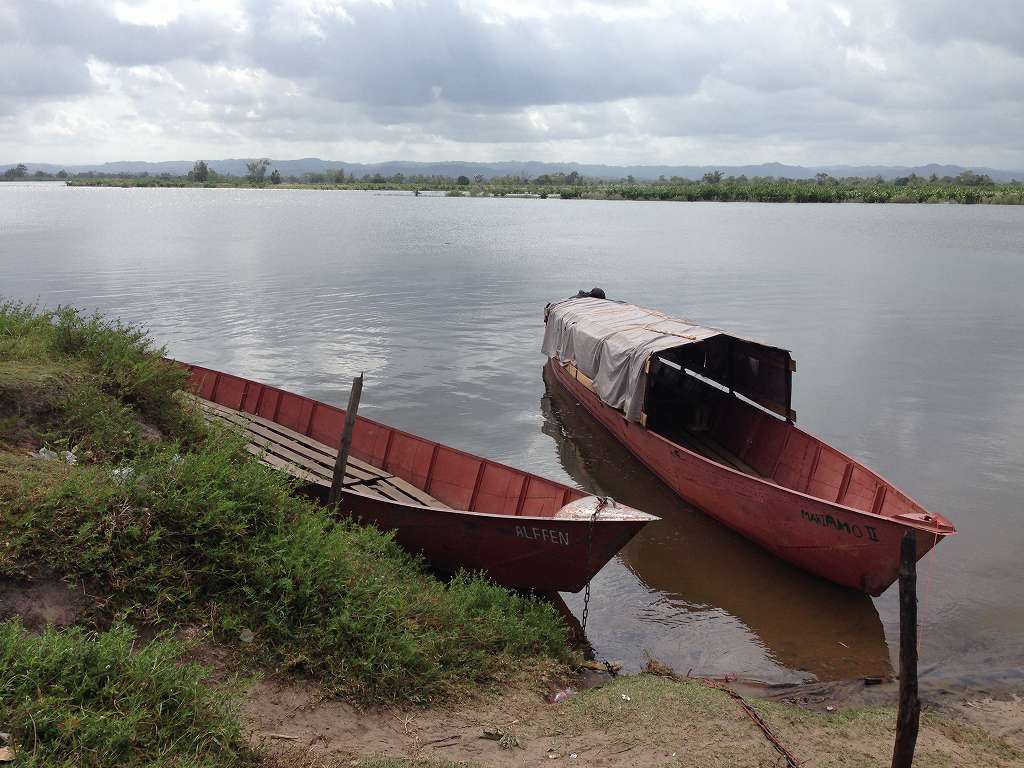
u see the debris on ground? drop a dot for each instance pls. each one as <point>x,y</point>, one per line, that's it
<point>655,667</point>
<point>67,456</point>
<point>611,667</point>
<point>123,475</point>
<point>505,740</point>
<point>6,750</point>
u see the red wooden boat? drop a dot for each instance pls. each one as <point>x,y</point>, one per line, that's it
<point>458,510</point>
<point>709,413</point>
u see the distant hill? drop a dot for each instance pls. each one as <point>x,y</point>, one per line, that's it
<point>236,167</point>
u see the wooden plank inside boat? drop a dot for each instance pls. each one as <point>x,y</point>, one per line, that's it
<point>317,460</point>
<point>707,446</point>
<point>311,461</point>
<point>324,454</point>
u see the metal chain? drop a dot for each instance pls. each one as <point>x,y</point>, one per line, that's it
<point>586,608</point>
<point>601,502</point>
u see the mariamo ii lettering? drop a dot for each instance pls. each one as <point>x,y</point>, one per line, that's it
<point>542,534</point>
<point>840,525</point>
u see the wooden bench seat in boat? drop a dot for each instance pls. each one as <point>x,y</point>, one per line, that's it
<point>311,461</point>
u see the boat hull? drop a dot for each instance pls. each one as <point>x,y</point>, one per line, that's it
<point>844,545</point>
<point>539,554</point>
<point>524,531</point>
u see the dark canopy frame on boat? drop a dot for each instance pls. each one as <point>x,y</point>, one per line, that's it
<point>758,373</point>
<point>613,344</point>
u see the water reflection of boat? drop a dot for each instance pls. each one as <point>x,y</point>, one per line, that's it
<point>709,413</point>
<point>696,563</point>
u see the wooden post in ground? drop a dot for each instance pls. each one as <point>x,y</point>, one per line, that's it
<point>346,441</point>
<point>910,705</point>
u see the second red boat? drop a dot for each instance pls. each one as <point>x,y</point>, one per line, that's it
<point>709,413</point>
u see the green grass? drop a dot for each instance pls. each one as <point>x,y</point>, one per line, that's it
<point>864,737</point>
<point>125,361</point>
<point>640,704</point>
<point>196,531</point>
<point>391,762</point>
<point>211,536</point>
<point>102,699</point>
<point>65,406</point>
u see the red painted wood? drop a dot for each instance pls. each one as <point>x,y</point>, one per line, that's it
<point>452,540</point>
<point>502,519</point>
<point>499,490</point>
<point>522,497</point>
<point>846,543</point>
<point>309,423</point>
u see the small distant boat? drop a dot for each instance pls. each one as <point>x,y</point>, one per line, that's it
<point>710,414</point>
<point>458,510</point>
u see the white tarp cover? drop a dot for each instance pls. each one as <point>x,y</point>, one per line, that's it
<point>610,342</point>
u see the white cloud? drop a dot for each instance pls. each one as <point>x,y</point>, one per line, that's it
<point>586,80</point>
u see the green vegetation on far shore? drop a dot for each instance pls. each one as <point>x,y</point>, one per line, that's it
<point>967,187</point>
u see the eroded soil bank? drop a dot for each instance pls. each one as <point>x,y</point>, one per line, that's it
<point>641,720</point>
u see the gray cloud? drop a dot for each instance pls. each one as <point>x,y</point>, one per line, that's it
<point>417,54</point>
<point>860,81</point>
<point>997,22</point>
<point>28,74</point>
<point>90,29</point>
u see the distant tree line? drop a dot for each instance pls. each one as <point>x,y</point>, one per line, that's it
<point>260,171</point>
<point>966,187</point>
<point>20,172</point>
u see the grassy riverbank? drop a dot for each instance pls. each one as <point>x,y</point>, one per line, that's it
<point>857,190</point>
<point>73,697</point>
<point>161,523</point>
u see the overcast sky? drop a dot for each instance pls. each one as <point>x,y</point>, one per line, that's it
<point>710,81</point>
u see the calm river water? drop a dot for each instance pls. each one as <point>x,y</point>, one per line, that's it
<point>907,323</point>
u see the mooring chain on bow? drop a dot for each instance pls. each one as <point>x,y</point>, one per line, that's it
<point>602,502</point>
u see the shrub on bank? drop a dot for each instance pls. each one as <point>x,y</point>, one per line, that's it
<point>199,532</point>
<point>211,536</point>
<point>81,698</point>
<point>126,362</point>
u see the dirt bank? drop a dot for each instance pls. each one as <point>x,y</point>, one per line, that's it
<point>642,720</point>
<point>40,600</point>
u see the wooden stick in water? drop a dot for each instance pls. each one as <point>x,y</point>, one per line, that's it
<point>346,441</point>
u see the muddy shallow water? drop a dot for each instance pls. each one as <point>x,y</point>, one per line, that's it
<point>905,320</point>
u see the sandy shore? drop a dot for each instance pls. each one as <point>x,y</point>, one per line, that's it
<point>639,720</point>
